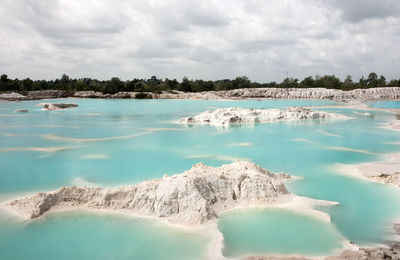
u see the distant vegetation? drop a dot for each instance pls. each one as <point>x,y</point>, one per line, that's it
<point>154,84</point>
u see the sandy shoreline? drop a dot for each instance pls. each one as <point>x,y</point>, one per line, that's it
<point>297,204</point>
<point>386,171</point>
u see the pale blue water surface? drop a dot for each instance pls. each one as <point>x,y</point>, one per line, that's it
<point>385,104</point>
<point>117,142</point>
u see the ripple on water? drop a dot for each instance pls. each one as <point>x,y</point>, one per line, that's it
<point>348,149</point>
<point>95,156</point>
<point>35,149</point>
<point>100,139</point>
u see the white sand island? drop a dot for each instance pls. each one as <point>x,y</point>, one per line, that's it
<point>387,172</point>
<point>57,106</point>
<point>192,198</point>
<point>251,116</point>
<point>394,125</point>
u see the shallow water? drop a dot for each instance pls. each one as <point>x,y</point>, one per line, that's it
<point>385,104</point>
<point>77,235</point>
<point>115,142</point>
<point>276,231</point>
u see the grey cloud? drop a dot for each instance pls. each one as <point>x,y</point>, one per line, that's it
<point>256,46</point>
<point>182,16</point>
<point>208,55</point>
<point>206,16</point>
<point>150,51</point>
<point>64,26</point>
<point>359,10</point>
<point>175,42</point>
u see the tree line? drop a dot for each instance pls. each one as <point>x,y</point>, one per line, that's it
<point>157,85</point>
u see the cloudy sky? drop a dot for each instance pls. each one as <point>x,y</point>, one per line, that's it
<point>209,39</point>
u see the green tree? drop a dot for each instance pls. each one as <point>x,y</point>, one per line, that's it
<point>198,85</point>
<point>80,85</point>
<point>372,81</point>
<point>139,87</point>
<point>394,83</point>
<point>63,83</point>
<point>272,84</point>
<point>65,78</point>
<point>171,84</point>
<point>224,84</point>
<point>290,83</point>
<point>381,81</point>
<point>348,82</point>
<point>4,78</point>
<point>114,85</point>
<point>153,84</point>
<point>362,83</point>
<point>4,82</point>
<point>328,81</point>
<point>307,82</point>
<point>185,85</point>
<point>27,84</point>
<point>241,82</point>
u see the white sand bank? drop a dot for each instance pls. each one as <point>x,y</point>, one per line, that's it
<point>387,171</point>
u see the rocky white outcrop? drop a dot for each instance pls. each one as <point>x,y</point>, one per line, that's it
<point>245,93</point>
<point>21,111</point>
<point>387,172</point>
<point>55,106</point>
<point>206,95</point>
<point>12,96</point>
<point>317,93</point>
<point>237,116</point>
<point>393,178</point>
<point>394,125</point>
<point>88,94</point>
<point>193,197</point>
<point>289,93</point>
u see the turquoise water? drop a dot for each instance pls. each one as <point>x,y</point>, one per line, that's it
<point>385,104</point>
<point>251,231</point>
<point>116,142</point>
<point>77,235</point>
